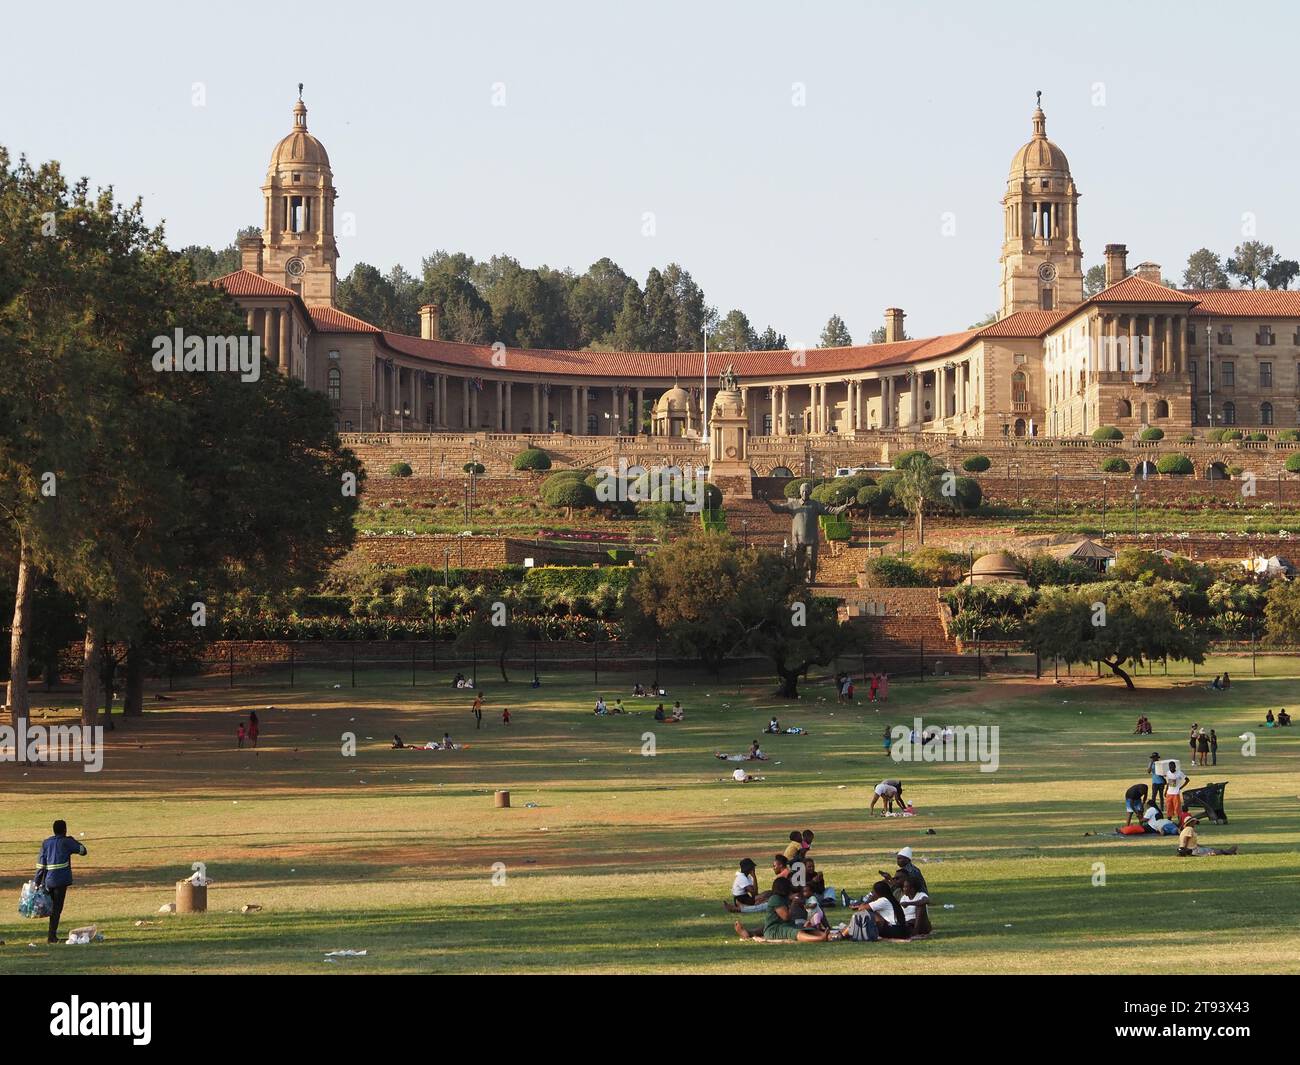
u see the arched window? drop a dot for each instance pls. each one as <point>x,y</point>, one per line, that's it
<point>1230,414</point>
<point>334,386</point>
<point>1162,408</point>
<point>1123,408</point>
<point>1266,414</point>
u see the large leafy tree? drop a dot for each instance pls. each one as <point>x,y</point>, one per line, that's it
<point>734,333</point>
<point>836,334</point>
<point>1115,624</point>
<point>596,300</point>
<point>1251,262</point>
<point>1205,270</point>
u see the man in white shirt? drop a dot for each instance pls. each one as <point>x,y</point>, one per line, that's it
<point>1175,783</point>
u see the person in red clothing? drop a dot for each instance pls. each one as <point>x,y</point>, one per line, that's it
<point>239,734</point>
<point>505,715</point>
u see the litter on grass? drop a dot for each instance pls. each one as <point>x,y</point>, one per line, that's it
<point>345,954</point>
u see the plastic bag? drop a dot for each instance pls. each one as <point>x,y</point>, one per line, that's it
<point>34,901</point>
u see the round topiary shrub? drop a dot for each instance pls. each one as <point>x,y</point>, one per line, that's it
<point>1187,438</point>
<point>875,499</point>
<point>976,464</point>
<point>1293,463</point>
<point>791,490</point>
<point>1178,465</point>
<point>1107,432</point>
<point>1233,434</point>
<point>476,468</point>
<point>399,469</point>
<point>908,458</point>
<point>1115,464</point>
<point>1257,436</point>
<point>533,458</point>
<point>1152,433</point>
<point>568,492</point>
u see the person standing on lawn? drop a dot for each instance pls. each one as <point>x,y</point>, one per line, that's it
<point>1214,747</point>
<point>54,871</point>
<point>478,711</point>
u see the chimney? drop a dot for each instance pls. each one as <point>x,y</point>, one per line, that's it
<point>250,253</point>
<point>429,321</point>
<point>1116,263</point>
<point>1149,272</point>
<point>894,324</point>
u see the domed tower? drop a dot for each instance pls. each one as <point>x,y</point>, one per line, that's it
<point>298,231</point>
<point>1042,263</point>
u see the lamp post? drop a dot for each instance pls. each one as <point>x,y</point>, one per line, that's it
<point>1135,512</point>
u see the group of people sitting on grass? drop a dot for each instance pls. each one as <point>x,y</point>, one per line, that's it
<point>1220,683</point>
<point>670,716</point>
<point>1143,726</point>
<point>1282,720</point>
<point>754,754</point>
<point>794,908</point>
<point>640,691</point>
<point>462,681</point>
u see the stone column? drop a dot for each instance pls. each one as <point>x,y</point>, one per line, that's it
<point>638,415</point>
<point>917,419</point>
<point>473,408</point>
<point>464,403</point>
<point>271,339</point>
<point>286,341</point>
<point>771,402</point>
<point>584,395</point>
<point>573,408</point>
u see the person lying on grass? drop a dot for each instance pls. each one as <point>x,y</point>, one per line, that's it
<point>778,925</point>
<point>1153,820</point>
<point>741,777</point>
<point>755,754</point>
<point>1187,843</point>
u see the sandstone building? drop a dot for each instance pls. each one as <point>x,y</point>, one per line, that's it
<point>1136,354</point>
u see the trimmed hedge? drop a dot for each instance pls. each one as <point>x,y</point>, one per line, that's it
<point>905,460</point>
<point>1114,464</point>
<point>476,468</point>
<point>399,469</point>
<point>1107,432</point>
<point>532,458</point>
<point>1293,463</point>
<point>977,464</point>
<point>1153,433</point>
<point>1179,465</point>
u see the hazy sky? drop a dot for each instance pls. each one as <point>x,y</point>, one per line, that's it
<point>1172,116</point>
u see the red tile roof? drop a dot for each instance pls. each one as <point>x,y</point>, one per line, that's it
<point>1136,289</point>
<point>685,364</point>
<point>333,320</point>
<point>1025,324</point>
<point>1247,303</point>
<point>247,283</point>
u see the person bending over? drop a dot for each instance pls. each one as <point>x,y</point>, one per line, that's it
<point>1134,800</point>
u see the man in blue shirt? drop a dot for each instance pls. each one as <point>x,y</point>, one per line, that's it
<point>54,871</point>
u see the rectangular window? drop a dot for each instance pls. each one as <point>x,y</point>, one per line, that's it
<point>1229,375</point>
<point>1265,375</point>
<point>1225,335</point>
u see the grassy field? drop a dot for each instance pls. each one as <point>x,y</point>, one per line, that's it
<point>623,862</point>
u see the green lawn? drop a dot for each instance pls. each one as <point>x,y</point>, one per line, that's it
<point>624,861</point>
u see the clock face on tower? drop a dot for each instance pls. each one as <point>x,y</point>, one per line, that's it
<point>296,267</point>
<point>1047,272</point>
